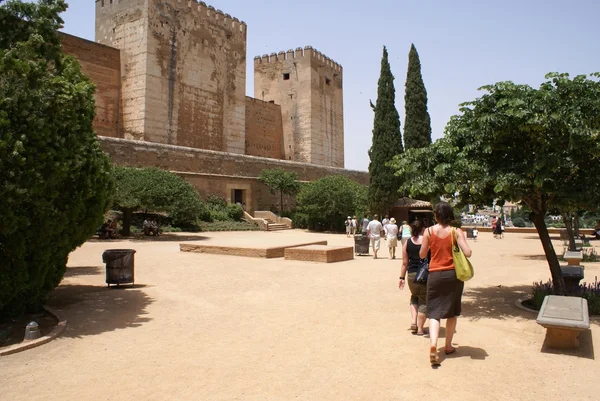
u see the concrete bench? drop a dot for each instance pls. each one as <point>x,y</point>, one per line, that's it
<point>320,253</point>
<point>564,318</point>
<point>573,258</point>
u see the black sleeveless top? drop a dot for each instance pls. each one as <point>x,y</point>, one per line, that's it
<point>413,256</point>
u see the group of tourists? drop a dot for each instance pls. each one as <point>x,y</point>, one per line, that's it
<point>150,227</point>
<point>440,296</point>
<point>351,226</point>
<point>109,230</point>
<point>437,294</point>
<point>498,228</point>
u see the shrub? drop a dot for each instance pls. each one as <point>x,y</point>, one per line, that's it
<point>55,180</point>
<point>219,215</point>
<point>235,212</point>
<point>229,226</point>
<point>519,222</point>
<point>589,291</point>
<point>215,202</point>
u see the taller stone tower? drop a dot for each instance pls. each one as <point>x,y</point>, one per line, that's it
<point>308,86</point>
<point>183,71</point>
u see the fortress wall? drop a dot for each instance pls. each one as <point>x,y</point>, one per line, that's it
<point>102,64</point>
<point>264,129</point>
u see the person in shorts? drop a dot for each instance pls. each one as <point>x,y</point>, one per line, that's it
<point>348,224</point>
<point>374,230</point>
<point>391,235</point>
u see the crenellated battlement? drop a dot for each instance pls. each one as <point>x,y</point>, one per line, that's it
<point>204,9</point>
<point>307,51</point>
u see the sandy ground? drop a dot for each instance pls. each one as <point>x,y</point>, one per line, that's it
<point>209,327</point>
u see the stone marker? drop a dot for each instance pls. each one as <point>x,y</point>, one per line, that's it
<point>564,319</point>
<point>32,331</point>
<point>573,258</point>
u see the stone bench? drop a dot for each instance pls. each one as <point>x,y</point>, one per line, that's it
<point>573,258</point>
<point>564,318</point>
<point>271,252</point>
<point>320,253</point>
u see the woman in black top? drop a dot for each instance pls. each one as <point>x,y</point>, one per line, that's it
<point>410,265</point>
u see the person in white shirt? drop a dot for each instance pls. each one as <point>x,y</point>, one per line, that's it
<point>374,230</point>
<point>364,224</point>
<point>348,224</point>
<point>385,221</point>
<point>391,234</point>
<point>353,225</point>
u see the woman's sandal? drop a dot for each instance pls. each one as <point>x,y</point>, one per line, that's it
<point>414,328</point>
<point>434,358</point>
<point>449,351</point>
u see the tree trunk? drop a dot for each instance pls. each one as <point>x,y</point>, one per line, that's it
<point>576,225</point>
<point>127,214</point>
<point>280,203</point>
<point>557,279</point>
<point>569,226</point>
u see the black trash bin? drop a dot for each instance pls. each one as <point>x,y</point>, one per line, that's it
<point>119,266</point>
<point>361,244</point>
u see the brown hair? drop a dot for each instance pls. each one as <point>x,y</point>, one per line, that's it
<point>416,228</point>
<point>443,213</point>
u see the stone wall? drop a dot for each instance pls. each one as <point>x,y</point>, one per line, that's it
<point>308,86</point>
<point>102,64</point>
<point>184,71</point>
<point>218,173</point>
<point>264,130</point>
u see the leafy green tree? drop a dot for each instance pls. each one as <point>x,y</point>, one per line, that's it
<point>417,123</point>
<point>517,142</point>
<point>54,178</point>
<point>157,190</point>
<point>279,180</point>
<point>387,143</point>
<point>327,202</point>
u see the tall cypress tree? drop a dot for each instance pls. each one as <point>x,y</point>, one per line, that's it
<point>387,142</point>
<point>417,124</point>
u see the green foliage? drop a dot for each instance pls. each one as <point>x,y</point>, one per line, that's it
<point>229,226</point>
<point>219,215</point>
<point>235,212</point>
<point>216,202</point>
<point>156,190</point>
<point>387,143</point>
<point>327,202</point>
<point>519,222</point>
<point>417,123</point>
<point>589,291</point>
<point>54,178</point>
<point>516,142</point>
<point>279,180</point>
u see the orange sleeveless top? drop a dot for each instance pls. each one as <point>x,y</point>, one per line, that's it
<point>441,253</point>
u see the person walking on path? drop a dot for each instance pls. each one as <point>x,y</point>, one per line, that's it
<point>444,290</point>
<point>405,231</point>
<point>374,230</point>
<point>348,224</point>
<point>385,221</point>
<point>411,260</point>
<point>353,225</point>
<point>391,235</point>
<point>364,224</point>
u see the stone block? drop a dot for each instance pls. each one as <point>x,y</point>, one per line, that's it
<point>573,258</point>
<point>268,253</point>
<point>564,318</point>
<point>320,253</point>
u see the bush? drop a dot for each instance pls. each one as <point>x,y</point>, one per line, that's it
<point>299,220</point>
<point>519,222</point>
<point>235,212</point>
<point>55,180</point>
<point>589,291</point>
<point>229,226</point>
<point>219,215</point>
<point>327,202</point>
<point>215,202</point>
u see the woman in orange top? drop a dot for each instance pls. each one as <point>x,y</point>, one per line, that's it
<point>444,290</point>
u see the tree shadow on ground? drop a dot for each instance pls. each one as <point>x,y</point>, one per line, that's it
<point>495,302</point>
<point>83,271</point>
<point>91,310</point>
<point>532,257</point>
<point>585,349</point>
<point>160,238</point>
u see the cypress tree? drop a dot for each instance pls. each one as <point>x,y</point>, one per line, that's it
<point>417,124</point>
<point>387,142</point>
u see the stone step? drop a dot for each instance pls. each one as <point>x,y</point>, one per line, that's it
<point>276,227</point>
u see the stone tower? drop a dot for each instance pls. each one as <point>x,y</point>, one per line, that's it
<point>308,86</point>
<point>183,67</point>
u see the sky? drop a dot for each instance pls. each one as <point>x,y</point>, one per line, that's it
<point>462,44</point>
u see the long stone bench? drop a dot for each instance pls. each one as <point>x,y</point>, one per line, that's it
<point>320,253</point>
<point>564,318</point>
<point>271,252</point>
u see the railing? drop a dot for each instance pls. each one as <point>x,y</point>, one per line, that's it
<point>273,217</point>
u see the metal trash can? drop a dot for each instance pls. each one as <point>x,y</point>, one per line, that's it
<point>119,266</point>
<point>361,244</point>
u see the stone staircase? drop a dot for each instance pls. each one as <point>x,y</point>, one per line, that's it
<point>273,226</point>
